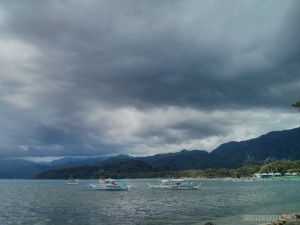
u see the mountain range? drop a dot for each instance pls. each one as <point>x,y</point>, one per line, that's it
<point>272,146</point>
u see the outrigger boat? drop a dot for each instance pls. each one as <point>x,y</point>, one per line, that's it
<point>175,184</point>
<point>111,185</point>
<point>73,181</point>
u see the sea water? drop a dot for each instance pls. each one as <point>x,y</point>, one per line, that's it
<point>54,202</point>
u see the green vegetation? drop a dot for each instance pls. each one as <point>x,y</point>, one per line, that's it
<point>140,169</point>
<point>281,166</point>
<point>296,105</point>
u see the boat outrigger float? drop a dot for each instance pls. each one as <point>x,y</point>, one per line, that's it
<point>175,184</point>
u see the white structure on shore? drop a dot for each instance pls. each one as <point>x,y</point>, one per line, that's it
<point>267,176</point>
<point>275,176</point>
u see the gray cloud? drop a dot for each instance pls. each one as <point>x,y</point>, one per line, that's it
<point>103,77</point>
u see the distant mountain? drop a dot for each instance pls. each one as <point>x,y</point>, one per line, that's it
<point>130,168</point>
<point>20,169</point>
<point>67,162</point>
<point>24,169</point>
<point>272,146</point>
<point>183,160</point>
<point>269,147</point>
<point>118,158</point>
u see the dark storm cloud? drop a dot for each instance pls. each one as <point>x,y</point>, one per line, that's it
<point>147,53</point>
<point>76,75</point>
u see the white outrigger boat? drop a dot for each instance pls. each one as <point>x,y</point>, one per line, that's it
<point>73,181</point>
<point>175,184</point>
<point>111,185</point>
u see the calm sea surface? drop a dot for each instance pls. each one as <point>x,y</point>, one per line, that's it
<point>45,202</point>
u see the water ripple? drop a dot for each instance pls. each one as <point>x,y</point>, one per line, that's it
<point>40,202</point>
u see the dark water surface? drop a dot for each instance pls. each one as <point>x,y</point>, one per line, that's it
<point>45,202</point>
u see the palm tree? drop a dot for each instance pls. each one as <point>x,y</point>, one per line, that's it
<point>296,105</point>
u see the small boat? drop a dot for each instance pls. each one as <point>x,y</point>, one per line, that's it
<point>73,181</point>
<point>175,184</point>
<point>111,185</point>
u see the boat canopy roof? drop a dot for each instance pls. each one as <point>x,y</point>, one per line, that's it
<point>178,180</point>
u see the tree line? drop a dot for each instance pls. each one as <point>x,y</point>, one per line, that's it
<point>138,169</point>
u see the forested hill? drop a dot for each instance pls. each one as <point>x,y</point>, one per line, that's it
<point>267,148</point>
<point>273,146</point>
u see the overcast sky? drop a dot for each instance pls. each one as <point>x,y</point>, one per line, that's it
<point>87,78</point>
